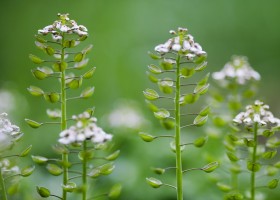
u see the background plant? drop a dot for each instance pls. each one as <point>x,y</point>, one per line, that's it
<point>179,59</point>
<point>60,42</point>
<point>10,171</point>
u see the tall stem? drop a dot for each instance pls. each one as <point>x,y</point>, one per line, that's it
<point>63,119</point>
<point>179,174</point>
<point>3,188</point>
<point>254,157</point>
<point>85,170</point>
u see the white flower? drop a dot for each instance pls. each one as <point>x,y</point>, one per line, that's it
<point>257,113</point>
<point>238,69</point>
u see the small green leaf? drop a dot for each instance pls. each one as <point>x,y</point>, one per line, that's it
<point>201,67</point>
<point>60,66</point>
<point>33,124</point>
<point>151,94</point>
<point>210,167</point>
<point>25,152</point>
<point>200,120</point>
<point>54,169</point>
<point>154,69</point>
<point>269,154</point>
<point>146,137</point>
<point>106,169</point>
<point>78,57</point>
<point>35,91</point>
<point>224,187</point>
<point>43,192</point>
<point>113,156</point>
<point>186,72</point>
<point>39,159</point>
<point>205,111</point>
<point>232,157</point>
<point>49,50</point>
<point>272,184</point>
<point>27,171</point>
<point>153,182</point>
<point>158,170</point>
<point>167,123</point>
<point>89,73</point>
<point>69,187</point>
<point>35,59</point>
<point>201,89</point>
<point>115,191</point>
<point>52,97</point>
<point>200,142</point>
<point>162,114</point>
<point>75,83</point>
<point>154,56</point>
<point>253,167</point>
<point>88,92</point>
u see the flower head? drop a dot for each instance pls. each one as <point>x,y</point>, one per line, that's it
<point>63,25</point>
<point>257,113</point>
<point>238,69</point>
<point>182,43</point>
<point>84,129</point>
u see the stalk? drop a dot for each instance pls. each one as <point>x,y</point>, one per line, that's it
<point>3,188</point>
<point>85,170</point>
<point>254,157</point>
<point>63,120</point>
<point>179,176</point>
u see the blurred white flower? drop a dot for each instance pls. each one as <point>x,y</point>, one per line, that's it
<point>238,69</point>
<point>84,129</point>
<point>257,113</point>
<point>183,43</point>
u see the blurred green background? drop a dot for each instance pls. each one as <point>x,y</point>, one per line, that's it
<point>122,32</point>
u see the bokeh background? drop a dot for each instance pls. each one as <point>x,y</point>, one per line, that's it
<point>122,32</point>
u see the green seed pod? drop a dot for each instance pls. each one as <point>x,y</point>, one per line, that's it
<point>89,73</point>
<point>88,92</point>
<point>151,94</point>
<point>35,91</point>
<point>200,120</point>
<point>52,97</point>
<point>200,142</point>
<point>253,167</point>
<point>272,184</point>
<point>113,156</point>
<point>25,152</point>
<point>33,124</point>
<point>146,137</point>
<point>115,191</point>
<point>43,192</point>
<point>224,187</point>
<point>153,182</point>
<point>210,167</point>
<point>107,168</point>
<point>154,69</point>
<point>69,187</point>
<point>27,171</point>
<point>162,114</point>
<point>35,59</point>
<point>54,169</point>
<point>39,159</point>
<point>75,83</point>
<point>187,72</point>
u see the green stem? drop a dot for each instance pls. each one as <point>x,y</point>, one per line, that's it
<point>63,120</point>
<point>234,180</point>
<point>85,171</point>
<point>3,188</point>
<point>179,175</point>
<point>254,158</point>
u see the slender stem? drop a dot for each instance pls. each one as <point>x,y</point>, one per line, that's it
<point>84,171</point>
<point>3,188</point>
<point>254,157</point>
<point>179,176</point>
<point>234,180</point>
<point>63,119</point>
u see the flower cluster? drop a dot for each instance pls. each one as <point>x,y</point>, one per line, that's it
<point>183,43</point>
<point>84,129</point>
<point>239,69</point>
<point>257,113</point>
<point>63,25</point>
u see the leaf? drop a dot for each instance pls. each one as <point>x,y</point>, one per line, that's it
<point>153,182</point>
<point>35,59</point>
<point>151,94</point>
<point>43,192</point>
<point>54,169</point>
<point>154,69</point>
<point>27,171</point>
<point>201,67</point>
<point>115,191</point>
<point>146,137</point>
<point>210,167</point>
<point>39,159</point>
<point>200,120</point>
<point>25,152</point>
<point>88,92</point>
<point>162,114</point>
<point>35,91</point>
<point>89,73</point>
<point>52,97</point>
<point>113,156</point>
<point>33,123</point>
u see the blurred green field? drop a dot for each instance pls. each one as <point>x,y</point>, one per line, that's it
<point>122,32</point>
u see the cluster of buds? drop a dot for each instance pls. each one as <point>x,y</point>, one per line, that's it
<point>239,69</point>
<point>84,129</point>
<point>63,25</point>
<point>257,113</point>
<point>182,43</point>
